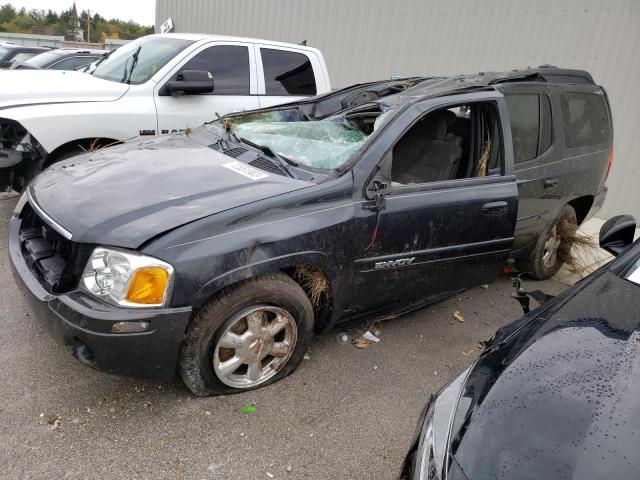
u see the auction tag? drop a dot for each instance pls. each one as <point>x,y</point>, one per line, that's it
<point>246,170</point>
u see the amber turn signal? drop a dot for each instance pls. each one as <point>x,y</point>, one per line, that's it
<point>148,286</point>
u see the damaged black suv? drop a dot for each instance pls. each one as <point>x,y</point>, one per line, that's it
<point>221,250</point>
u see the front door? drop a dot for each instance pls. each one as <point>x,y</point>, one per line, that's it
<point>234,76</point>
<point>450,229</point>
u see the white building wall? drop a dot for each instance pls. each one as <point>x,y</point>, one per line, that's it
<point>374,39</point>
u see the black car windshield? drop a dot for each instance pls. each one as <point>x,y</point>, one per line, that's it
<point>325,144</point>
<point>154,54</point>
<point>43,60</point>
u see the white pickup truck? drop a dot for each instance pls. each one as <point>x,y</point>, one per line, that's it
<point>155,85</point>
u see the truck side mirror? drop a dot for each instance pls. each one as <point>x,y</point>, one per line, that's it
<point>192,82</point>
<point>617,234</point>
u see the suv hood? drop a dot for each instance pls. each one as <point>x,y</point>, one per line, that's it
<point>127,194</point>
<point>31,87</point>
<point>559,399</point>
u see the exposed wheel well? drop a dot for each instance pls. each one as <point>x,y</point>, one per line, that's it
<point>86,144</point>
<point>582,205</point>
<point>317,285</point>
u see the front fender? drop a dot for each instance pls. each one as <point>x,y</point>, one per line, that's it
<point>312,258</point>
<point>57,124</point>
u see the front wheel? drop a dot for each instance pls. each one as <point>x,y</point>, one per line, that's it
<point>547,256</point>
<point>248,336</point>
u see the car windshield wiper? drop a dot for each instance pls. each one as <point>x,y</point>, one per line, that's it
<point>126,78</point>
<point>102,59</point>
<point>266,150</point>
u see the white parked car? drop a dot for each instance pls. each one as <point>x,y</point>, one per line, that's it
<point>155,85</point>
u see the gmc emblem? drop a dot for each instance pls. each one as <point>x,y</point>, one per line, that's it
<point>394,263</point>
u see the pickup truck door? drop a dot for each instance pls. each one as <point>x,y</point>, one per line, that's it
<point>428,239</point>
<point>233,68</point>
<point>287,75</point>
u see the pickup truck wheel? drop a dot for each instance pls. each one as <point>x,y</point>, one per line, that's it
<point>248,336</point>
<point>545,260</point>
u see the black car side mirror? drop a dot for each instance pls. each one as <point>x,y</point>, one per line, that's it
<point>617,234</point>
<point>192,82</point>
<point>375,192</point>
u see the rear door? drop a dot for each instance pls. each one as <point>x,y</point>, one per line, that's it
<point>435,237</point>
<point>537,158</point>
<point>285,74</point>
<point>232,65</point>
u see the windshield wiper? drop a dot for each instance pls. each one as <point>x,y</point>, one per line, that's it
<point>126,78</point>
<point>266,150</point>
<point>102,59</point>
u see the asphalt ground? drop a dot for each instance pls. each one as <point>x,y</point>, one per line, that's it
<point>346,413</point>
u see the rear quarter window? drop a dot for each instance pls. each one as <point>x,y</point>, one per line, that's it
<point>585,119</point>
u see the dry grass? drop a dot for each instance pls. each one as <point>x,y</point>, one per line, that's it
<point>481,171</point>
<point>314,282</point>
<point>96,145</point>
<point>576,251</point>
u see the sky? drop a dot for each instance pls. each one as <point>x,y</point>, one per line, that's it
<point>140,11</point>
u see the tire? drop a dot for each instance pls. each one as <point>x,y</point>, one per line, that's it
<point>546,258</point>
<point>234,326</point>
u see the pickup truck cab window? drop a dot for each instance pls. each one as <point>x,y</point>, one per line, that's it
<point>287,73</point>
<point>229,65</point>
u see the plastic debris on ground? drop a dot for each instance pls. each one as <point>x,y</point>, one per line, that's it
<point>248,409</point>
<point>458,316</point>
<point>370,336</point>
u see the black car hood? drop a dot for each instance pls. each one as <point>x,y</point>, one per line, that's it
<point>127,194</point>
<point>561,398</point>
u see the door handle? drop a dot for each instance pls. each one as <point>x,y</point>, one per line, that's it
<point>551,183</point>
<point>495,208</point>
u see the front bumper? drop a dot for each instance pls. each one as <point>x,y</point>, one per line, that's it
<point>83,324</point>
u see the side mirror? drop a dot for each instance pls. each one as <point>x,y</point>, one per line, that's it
<point>191,82</point>
<point>375,192</point>
<point>617,234</point>
<point>6,64</point>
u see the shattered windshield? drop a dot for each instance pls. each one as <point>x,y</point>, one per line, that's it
<point>324,144</point>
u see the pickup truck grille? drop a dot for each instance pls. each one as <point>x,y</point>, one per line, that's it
<point>47,253</point>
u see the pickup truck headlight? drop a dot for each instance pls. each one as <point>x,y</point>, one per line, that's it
<point>127,279</point>
<point>434,439</point>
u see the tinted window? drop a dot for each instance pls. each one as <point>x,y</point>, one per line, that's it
<point>531,125</point>
<point>546,125</point>
<point>585,119</point>
<point>524,113</point>
<point>287,73</point>
<point>72,63</point>
<point>229,65</point>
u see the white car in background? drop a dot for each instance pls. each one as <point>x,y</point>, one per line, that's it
<point>155,85</point>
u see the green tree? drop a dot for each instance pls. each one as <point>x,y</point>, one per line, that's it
<point>7,13</point>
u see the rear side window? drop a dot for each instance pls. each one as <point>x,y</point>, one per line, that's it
<point>531,124</point>
<point>287,73</point>
<point>229,65</point>
<point>585,119</point>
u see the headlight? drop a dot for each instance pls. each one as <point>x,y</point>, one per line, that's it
<point>434,438</point>
<point>127,279</point>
